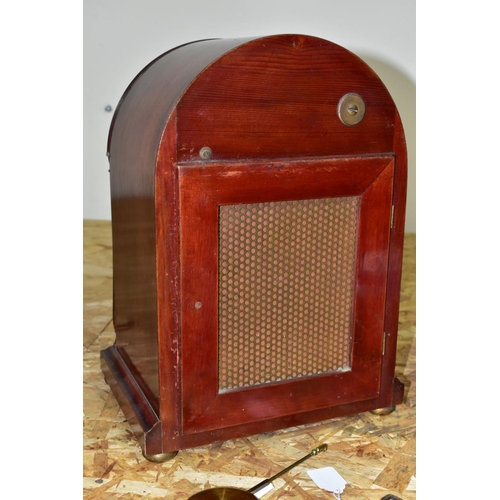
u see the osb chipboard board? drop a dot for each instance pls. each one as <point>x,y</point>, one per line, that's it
<point>374,454</point>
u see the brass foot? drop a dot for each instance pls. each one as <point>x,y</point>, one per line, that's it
<point>383,411</point>
<point>160,457</point>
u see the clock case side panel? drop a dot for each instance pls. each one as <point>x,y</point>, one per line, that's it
<point>131,365</point>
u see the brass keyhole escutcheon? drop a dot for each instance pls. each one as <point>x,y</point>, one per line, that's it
<point>351,109</point>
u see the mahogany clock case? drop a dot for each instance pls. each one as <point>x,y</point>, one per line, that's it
<point>258,201</point>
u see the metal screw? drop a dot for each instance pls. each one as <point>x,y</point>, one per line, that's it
<point>108,108</point>
<point>352,110</point>
<point>197,305</point>
<point>205,153</point>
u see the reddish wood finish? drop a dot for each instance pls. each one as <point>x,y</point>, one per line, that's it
<point>203,190</point>
<point>290,86</point>
<point>267,107</point>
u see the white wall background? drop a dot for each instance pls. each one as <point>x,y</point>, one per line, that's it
<point>122,36</point>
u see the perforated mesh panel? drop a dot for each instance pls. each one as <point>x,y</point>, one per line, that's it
<point>286,274</point>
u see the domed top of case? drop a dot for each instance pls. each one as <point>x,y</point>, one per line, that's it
<point>267,97</point>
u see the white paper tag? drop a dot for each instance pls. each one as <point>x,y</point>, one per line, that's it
<point>328,479</point>
<point>264,490</point>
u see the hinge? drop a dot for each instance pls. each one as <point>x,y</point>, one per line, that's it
<point>384,337</point>
<point>392,216</point>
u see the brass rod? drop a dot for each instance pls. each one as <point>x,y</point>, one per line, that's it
<point>266,482</point>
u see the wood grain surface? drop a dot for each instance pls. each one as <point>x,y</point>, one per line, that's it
<point>259,105</point>
<point>374,454</point>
